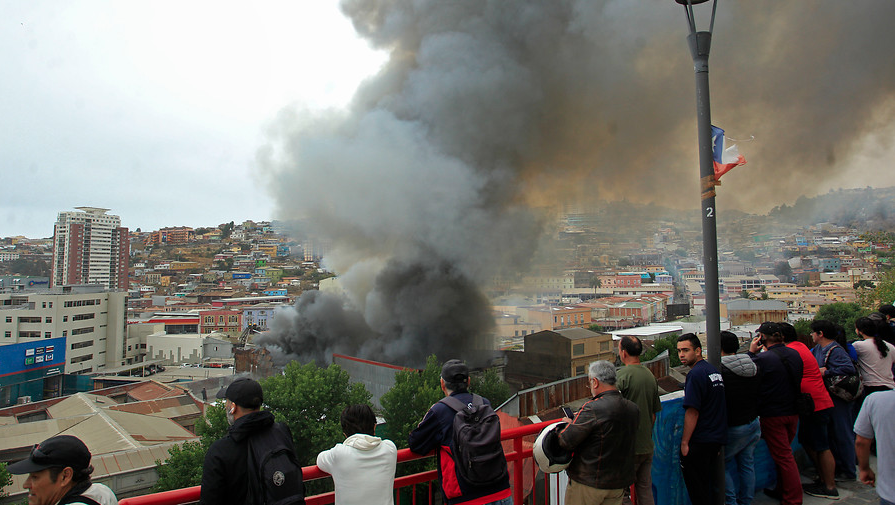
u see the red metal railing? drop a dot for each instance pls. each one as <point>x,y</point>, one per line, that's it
<point>517,447</point>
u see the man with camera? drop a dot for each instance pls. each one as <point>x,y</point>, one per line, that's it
<point>781,376</point>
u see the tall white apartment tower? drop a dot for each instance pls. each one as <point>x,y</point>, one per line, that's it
<point>90,247</point>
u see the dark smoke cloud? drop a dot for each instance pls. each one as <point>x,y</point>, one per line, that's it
<point>487,109</point>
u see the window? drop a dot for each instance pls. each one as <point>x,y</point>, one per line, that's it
<point>7,334</point>
<point>604,346</point>
<point>48,334</point>
<point>82,317</point>
<point>64,319</point>
<point>29,320</point>
<point>8,319</point>
<point>48,319</point>
<point>209,319</point>
<point>79,359</point>
<point>29,334</point>
<point>81,331</point>
<point>579,370</point>
<point>64,333</point>
<point>577,349</point>
<point>81,345</point>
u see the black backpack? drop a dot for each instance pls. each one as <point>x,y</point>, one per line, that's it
<point>274,471</point>
<point>478,454</point>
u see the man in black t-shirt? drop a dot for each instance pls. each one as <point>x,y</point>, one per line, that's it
<point>705,424</point>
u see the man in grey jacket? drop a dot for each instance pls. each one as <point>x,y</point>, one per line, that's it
<point>741,382</point>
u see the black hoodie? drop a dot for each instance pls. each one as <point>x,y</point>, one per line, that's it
<point>225,472</point>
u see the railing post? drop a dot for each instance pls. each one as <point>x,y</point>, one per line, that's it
<point>518,467</point>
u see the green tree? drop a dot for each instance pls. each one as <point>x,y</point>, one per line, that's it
<point>802,326</point>
<point>310,400</point>
<point>405,404</point>
<point>842,313</point>
<point>5,479</point>
<point>491,386</point>
<point>669,344</point>
<point>23,266</point>
<point>883,292</point>
<point>183,468</point>
<point>595,283</point>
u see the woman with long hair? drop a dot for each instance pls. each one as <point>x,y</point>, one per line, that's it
<point>875,358</point>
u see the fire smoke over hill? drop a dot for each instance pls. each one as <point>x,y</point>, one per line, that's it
<point>488,108</point>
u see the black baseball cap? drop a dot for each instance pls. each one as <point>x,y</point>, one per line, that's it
<point>244,392</point>
<point>769,328</point>
<point>59,451</point>
<point>454,370</point>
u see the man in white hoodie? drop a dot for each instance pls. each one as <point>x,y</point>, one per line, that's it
<point>363,466</point>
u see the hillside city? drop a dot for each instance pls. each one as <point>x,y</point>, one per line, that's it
<point>151,323</point>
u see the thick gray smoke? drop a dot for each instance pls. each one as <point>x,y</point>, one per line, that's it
<point>487,109</point>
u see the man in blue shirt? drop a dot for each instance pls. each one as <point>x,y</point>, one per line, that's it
<point>705,424</point>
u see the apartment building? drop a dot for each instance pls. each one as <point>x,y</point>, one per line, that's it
<point>72,330</point>
<point>90,247</point>
<point>171,236</point>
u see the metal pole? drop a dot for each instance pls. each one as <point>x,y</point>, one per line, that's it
<point>700,43</point>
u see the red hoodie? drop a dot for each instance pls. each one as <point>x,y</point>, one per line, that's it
<point>812,381</point>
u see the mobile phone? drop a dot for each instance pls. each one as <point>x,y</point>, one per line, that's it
<point>567,411</point>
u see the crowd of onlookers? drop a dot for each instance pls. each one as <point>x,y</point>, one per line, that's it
<point>835,395</point>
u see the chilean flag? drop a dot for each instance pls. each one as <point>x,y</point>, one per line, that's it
<point>725,158</point>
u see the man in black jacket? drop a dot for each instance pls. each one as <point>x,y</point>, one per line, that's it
<point>781,372</point>
<point>602,438</point>
<point>435,432</point>
<point>225,474</point>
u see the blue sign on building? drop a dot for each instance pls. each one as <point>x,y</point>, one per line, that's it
<point>242,276</point>
<point>39,358</point>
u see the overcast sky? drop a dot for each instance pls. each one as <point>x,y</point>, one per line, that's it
<point>155,109</point>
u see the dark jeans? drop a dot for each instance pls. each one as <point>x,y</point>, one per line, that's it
<point>701,473</point>
<point>842,437</point>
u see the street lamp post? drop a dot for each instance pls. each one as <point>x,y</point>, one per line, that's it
<point>700,43</point>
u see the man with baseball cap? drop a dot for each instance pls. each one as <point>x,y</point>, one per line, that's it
<point>58,472</point>
<point>228,475</point>
<point>435,432</point>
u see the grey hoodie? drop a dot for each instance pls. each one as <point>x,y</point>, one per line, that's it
<point>741,380</point>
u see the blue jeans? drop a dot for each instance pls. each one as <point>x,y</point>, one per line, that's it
<point>739,463</point>
<point>506,501</point>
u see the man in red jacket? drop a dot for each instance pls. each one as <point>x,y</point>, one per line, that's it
<point>815,429</point>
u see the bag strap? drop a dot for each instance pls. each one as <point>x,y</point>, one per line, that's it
<point>830,350</point>
<point>459,406</point>
<point>79,498</point>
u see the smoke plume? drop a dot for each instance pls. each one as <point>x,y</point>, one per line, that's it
<point>488,109</point>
